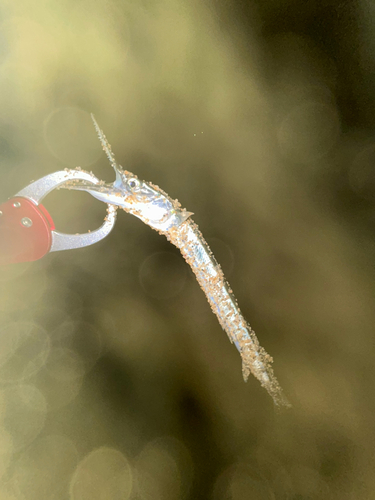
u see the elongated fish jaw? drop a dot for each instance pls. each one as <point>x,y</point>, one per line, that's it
<point>119,183</point>
<point>112,196</point>
<point>107,148</point>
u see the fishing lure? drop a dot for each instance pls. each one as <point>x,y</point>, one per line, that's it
<point>156,209</point>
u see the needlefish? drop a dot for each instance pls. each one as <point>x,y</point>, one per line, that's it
<point>156,209</point>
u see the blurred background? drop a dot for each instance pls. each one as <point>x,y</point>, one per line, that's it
<point>116,380</point>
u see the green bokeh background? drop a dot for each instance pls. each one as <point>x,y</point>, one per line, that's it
<point>116,380</point>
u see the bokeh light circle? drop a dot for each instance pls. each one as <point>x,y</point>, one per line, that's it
<point>103,474</point>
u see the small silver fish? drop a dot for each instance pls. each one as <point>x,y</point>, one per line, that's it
<point>156,209</point>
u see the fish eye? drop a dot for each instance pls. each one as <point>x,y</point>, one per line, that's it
<point>134,183</point>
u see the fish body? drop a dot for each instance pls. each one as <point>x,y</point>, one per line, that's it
<point>156,209</point>
<point>188,238</point>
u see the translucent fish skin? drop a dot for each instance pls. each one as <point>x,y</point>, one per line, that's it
<point>198,255</point>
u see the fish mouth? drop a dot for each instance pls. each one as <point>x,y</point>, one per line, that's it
<point>107,193</point>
